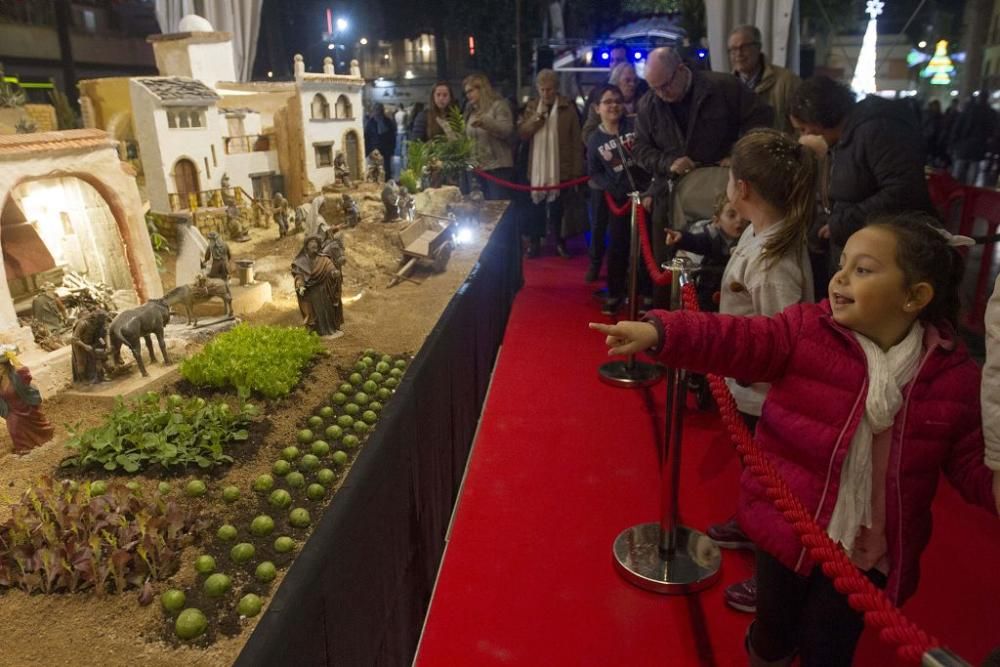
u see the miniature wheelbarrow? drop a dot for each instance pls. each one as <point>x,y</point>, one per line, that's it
<point>428,240</point>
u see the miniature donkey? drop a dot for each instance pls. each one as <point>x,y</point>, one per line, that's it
<point>131,326</point>
<point>202,289</point>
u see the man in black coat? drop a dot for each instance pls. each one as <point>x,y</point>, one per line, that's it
<point>875,162</point>
<point>692,118</point>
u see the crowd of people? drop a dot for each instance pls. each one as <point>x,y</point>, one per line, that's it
<point>820,245</point>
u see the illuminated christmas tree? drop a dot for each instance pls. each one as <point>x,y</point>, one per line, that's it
<point>940,69</point>
<point>863,82</point>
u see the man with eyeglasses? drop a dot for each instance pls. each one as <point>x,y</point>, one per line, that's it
<point>693,118</point>
<point>774,84</point>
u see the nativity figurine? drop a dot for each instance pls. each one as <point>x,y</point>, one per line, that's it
<point>216,257</point>
<point>318,283</point>
<point>20,404</point>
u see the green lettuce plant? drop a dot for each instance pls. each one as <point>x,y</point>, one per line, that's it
<point>263,360</point>
<point>180,433</point>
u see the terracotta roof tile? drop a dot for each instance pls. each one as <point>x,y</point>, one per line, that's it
<point>41,142</point>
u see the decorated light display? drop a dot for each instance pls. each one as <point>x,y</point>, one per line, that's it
<point>863,82</point>
<point>940,68</point>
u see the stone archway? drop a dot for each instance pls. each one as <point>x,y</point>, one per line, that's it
<point>59,223</point>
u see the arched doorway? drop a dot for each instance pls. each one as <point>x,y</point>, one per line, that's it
<point>51,226</point>
<point>186,180</point>
<point>353,150</point>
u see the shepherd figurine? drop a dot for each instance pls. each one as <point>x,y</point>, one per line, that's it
<point>20,404</point>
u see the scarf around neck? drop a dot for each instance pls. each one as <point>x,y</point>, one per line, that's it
<point>545,157</point>
<point>888,372</point>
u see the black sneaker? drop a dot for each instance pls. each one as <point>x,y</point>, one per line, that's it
<point>611,306</point>
<point>562,250</point>
<point>592,274</point>
<point>534,249</point>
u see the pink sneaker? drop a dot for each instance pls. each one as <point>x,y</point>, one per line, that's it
<point>743,596</point>
<point>729,535</point>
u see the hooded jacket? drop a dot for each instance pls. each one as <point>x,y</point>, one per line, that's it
<point>876,167</point>
<point>819,379</point>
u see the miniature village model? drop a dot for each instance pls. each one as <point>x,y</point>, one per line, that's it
<point>196,334</point>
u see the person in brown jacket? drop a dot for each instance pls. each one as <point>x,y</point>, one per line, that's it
<point>775,85</point>
<point>489,123</point>
<point>552,125</point>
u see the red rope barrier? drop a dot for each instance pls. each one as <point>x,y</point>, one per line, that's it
<point>529,188</point>
<point>863,596</point>
<point>659,277</point>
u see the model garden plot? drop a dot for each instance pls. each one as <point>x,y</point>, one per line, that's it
<point>90,528</point>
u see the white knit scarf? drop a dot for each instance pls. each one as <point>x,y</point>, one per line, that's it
<point>545,158</point>
<point>888,373</point>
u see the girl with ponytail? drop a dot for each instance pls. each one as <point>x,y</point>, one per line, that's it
<point>773,184</point>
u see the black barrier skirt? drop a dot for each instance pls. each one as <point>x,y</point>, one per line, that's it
<point>358,592</point>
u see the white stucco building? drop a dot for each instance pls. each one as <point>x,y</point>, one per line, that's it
<point>194,124</point>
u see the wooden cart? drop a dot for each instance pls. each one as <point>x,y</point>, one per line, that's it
<point>428,239</point>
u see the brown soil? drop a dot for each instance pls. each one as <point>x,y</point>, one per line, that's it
<point>113,629</point>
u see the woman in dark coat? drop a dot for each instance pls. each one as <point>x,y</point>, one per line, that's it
<point>380,132</point>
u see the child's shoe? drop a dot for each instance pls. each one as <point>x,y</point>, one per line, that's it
<point>729,535</point>
<point>743,596</point>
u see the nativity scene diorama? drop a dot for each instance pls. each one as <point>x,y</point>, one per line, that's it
<point>204,247</point>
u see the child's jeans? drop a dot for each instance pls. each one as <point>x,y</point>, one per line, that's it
<point>805,615</point>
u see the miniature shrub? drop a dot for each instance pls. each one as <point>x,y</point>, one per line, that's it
<point>254,359</point>
<point>184,432</point>
<point>61,538</point>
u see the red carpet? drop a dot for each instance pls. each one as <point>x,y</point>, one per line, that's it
<point>563,463</point>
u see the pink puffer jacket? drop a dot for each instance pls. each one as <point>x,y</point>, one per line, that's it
<point>819,381</point>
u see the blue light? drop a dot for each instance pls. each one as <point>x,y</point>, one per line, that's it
<point>702,53</point>
<point>605,55</point>
<point>637,55</point>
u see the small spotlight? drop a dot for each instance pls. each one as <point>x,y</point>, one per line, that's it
<point>702,53</point>
<point>341,25</point>
<point>465,235</point>
<point>364,41</point>
<point>270,75</point>
<point>605,55</point>
<point>331,47</point>
<point>637,55</point>
<point>922,44</point>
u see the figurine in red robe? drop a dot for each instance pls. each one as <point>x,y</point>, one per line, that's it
<point>20,404</point>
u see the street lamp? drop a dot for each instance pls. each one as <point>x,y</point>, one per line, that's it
<point>341,25</point>
<point>364,41</point>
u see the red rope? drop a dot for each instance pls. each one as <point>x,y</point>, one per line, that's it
<point>529,188</point>
<point>863,596</point>
<point>659,277</point>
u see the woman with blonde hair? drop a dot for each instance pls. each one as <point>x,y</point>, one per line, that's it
<point>490,124</point>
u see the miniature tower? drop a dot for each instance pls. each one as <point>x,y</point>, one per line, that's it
<point>196,51</point>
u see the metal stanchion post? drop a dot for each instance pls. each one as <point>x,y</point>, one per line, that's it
<point>631,373</point>
<point>667,557</point>
<point>942,657</point>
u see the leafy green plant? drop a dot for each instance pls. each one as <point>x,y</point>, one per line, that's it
<point>265,360</point>
<point>66,117</point>
<point>192,432</point>
<point>418,154</point>
<point>408,180</point>
<point>62,538</point>
<point>11,96</point>
<point>157,240</point>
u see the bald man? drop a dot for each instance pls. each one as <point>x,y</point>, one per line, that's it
<point>692,118</point>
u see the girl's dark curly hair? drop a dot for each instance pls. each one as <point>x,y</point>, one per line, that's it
<point>924,255</point>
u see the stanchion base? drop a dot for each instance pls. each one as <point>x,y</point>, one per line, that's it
<point>618,374</point>
<point>694,565</point>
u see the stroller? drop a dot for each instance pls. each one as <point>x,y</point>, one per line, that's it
<point>693,199</point>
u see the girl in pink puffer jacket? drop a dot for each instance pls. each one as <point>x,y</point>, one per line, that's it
<point>872,397</point>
